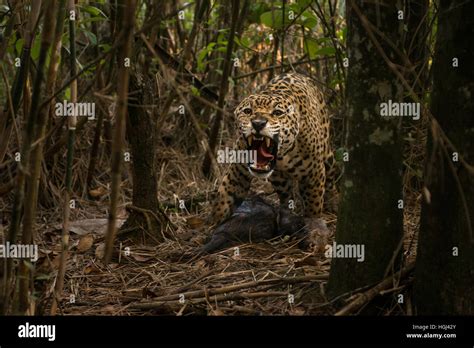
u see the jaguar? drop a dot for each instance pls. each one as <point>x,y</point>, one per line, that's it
<point>287,125</point>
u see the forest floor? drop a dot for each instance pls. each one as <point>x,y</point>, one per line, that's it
<point>269,278</point>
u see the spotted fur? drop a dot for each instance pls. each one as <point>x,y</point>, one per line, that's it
<point>301,127</point>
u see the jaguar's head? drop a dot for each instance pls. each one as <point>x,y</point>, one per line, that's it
<point>269,125</point>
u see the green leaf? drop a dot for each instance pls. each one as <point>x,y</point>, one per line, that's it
<point>91,36</point>
<point>11,45</point>
<point>326,51</point>
<point>200,60</point>
<point>339,154</point>
<point>222,37</point>
<point>203,54</point>
<point>243,42</point>
<point>273,20</point>
<point>67,94</point>
<point>324,41</point>
<point>310,47</point>
<point>94,11</point>
<point>310,23</point>
<point>195,91</point>
<point>19,46</point>
<point>91,19</point>
<point>308,20</point>
<point>44,276</point>
<point>35,50</point>
<point>303,3</point>
<point>210,46</point>
<point>256,10</point>
<point>48,56</point>
<point>344,34</point>
<point>105,47</point>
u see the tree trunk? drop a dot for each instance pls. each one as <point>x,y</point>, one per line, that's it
<point>128,15</point>
<point>444,276</point>
<point>371,187</point>
<point>141,136</point>
<point>145,213</point>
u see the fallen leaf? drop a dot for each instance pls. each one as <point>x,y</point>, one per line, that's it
<point>91,269</point>
<point>297,311</point>
<point>195,222</point>
<point>109,309</point>
<point>141,258</point>
<point>100,251</point>
<point>202,264</point>
<point>216,313</point>
<point>98,192</point>
<point>85,243</point>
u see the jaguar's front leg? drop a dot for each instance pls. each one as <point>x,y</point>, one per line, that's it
<point>283,185</point>
<point>231,192</point>
<point>312,190</point>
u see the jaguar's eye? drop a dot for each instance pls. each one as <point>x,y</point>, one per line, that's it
<point>247,111</point>
<point>277,112</point>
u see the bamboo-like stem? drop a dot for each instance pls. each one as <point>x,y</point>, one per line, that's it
<point>184,58</point>
<point>9,29</point>
<point>28,234</point>
<point>72,121</point>
<point>100,121</point>
<point>23,170</point>
<point>227,67</point>
<point>282,33</point>
<point>6,124</point>
<point>128,22</point>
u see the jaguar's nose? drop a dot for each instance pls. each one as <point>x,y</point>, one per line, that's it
<point>259,123</point>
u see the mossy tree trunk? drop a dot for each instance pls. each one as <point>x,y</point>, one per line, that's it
<point>371,186</point>
<point>444,276</point>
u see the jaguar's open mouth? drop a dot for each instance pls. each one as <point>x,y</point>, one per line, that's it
<point>266,153</point>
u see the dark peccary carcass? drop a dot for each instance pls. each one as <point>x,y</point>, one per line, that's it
<point>254,220</point>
